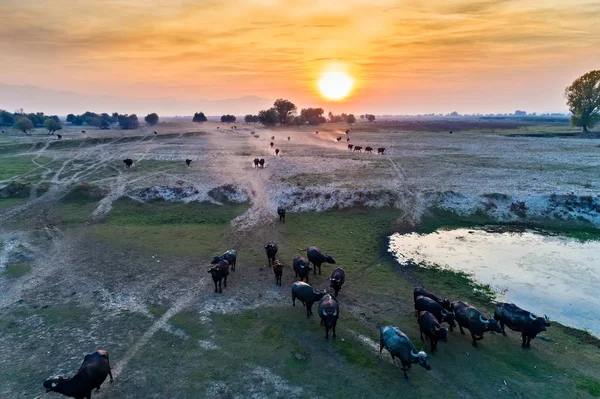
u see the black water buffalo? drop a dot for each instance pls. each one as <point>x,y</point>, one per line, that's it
<point>83,131</point>
<point>128,162</point>
<point>289,138</point>
<point>261,162</point>
<point>305,294</point>
<point>420,291</point>
<point>230,256</point>
<point>281,212</point>
<point>317,258</point>
<point>347,139</point>
<point>369,150</point>
<point>219,272</point>
<point>271,144</point>
<point>339,139</point>
<point>423,303</point>
<point>350,146</point>
<point>380,150</point>
<point>59,136</point>
<point>276,151</point>
<point>188,162</point>
<point>329,312</point>
<point>316,132</point>
<point>337,279</point>
<point>357,148</point>
<point>398,344</point>
<point>301,267</point>
<point>256,162</point>
<point>517,319</point>
<point>278,270</point>
<point>470,318</point>
<point>90,376</point>
<point>429,325</point>
<point>271,250</point>
<point>347,131</point>
<point>272,137</point>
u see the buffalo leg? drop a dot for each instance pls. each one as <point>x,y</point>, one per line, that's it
<point>474,339</point>
<point>216,290</point>
<point>433,345</point>
<point>220,289</point>
<point>333,328</point>
<point>225,281</point>
<point>404,371</point>
<point>308,310</point>
<point>293,300</point>
<point>421,331</point>
<point>524,340</point>
<point>326,330</point>
<point>502,327</point>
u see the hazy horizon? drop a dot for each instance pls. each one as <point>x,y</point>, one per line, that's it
<point>176,57</point>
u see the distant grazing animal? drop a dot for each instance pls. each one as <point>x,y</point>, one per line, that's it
<point>289,138</point>
<point>276,151</point>
<point>278,270</point>
<point>251,132</point>
<point>271,144</point>
<point>317,132</point>
<point>369,150</point>
<point>429,325</point>
<point>128,162</point>
<point>337,279</point>
<point>217,127</point>
<point>380,150</point>
<point>470,318</point>
<point>261,162</point>
<point>423,303</point>
<point>305,294</point>
<point>256,162</point>
<point>219,272</point>
<point>83,131</point>
<point>347,139</point>
<point>188,162</point>
<point>4,132</point>
<point>281,212</point>
<point>357,148</point>
<point>347,131</point>
<point>155,132</point>
<point>92,373</point>
<point>350,146</point>
<point>329,312</point>
<point>317,258</point>
<point>272,137</point>
<point>420,291</point>
<point>301,267</point>
<point>256,136</point>
<point>450,132</point>
<point>398,344</point>
<point>230,256</point>
<point>517,319</point>
<point>339,139</point>
<point>271,250</point>
<point>59,136</point>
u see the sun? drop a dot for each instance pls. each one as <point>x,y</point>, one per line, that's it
<point>335,85</point>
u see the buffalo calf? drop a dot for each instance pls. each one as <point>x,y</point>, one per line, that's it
<point>429,325</point>
<point>91,374</point>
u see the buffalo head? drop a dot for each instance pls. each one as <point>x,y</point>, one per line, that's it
<point>52,383</point>
<point>540,322</point>
<point>216,260</point>
<point>448,317</point>
<point>441,333</point>
<point>421,358</point>
<point>329,259</point>
<point>491,325</point>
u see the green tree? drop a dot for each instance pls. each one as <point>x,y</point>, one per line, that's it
<point>151,119</point>
<point>313,116</point>
<point>23,124</point>
<point>268,117</point>
<point>199,117</point>
<point>52,125</point>
<point>370,117</point>
<point>351,119</point>
<point>129,121</point>
<point>78,121</point>
<point>228,118</point>
<point>583,99</point>
<point>6,118</point>
<point>251,118</point>
<point>284,108</point>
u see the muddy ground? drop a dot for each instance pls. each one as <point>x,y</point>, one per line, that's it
<point>96,255</point>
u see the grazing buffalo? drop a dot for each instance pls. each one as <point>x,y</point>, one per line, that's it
<point>261,162</point>
<point>250,132</point>
<point>83,131</point>
<point>281,212</point>
<point>217,127</point>
<point>271,144</point>
<point>317,132</point>
<point>380,150</point>
<point>470,318</point>
<point>230,256</point>
<point>301,267</point>
<point>445,302</point>
<point>256,162</point>
<point>219,272</point>
<point>276,151</point>
<point>155,132</point>
<point>272,137</point>
<point>429,325</point>
<point>128,162</point>
<point>347,131</point>
<point>256,136</point>
<point>398,344</point>
<point>350,146</point>
<point>317,258</point>
<point>278,270</point>
<point>369,150</point>
<point>188,162</point>
<point>59,136</point>
<point>358,148</point>
<point>422,303</point>
<point>271,250</point>
<point>517,319</point>
<point>339,139</point>
<point>289,138</point>
<point>305,294</point>
<point>347,139</point>
<point>450,132</point>
<point>329,311</point>
<point>90,376</point>
<point>337,279</point>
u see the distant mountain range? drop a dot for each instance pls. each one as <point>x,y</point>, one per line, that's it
<point>35,99</point>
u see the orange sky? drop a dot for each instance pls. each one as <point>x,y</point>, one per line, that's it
<point>406,56</point>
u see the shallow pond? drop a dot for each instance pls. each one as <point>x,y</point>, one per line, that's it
<point>544,274</point>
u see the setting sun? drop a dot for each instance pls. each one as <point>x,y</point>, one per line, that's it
<point>335,85</point>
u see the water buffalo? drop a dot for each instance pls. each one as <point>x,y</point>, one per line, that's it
<point>445,302</point>
<point>329,311</point>
<point>350,146</point>
<point>369,150</point>
<point>188,162</point>
<point>256,162</point>
<point>230,256</point>
<point>357,148</point>
<point>517,319</point>
<point>347,139</point>
<point>422,303</point>
<point>128,162</point>
<point>219,272</point>
<point>91,374</point>
<point>317,258</point>
<point>380,150</point>
<point>155,132</point>
<point>337,279</point>
<point>429,325</point>
<point>272,137</point>
<point>289,138</point>
<point>305,294</point>
<point>398,344</point>
<point>278,270</point>
<point>276,151</point>
<point>271,250</point>
<point>59,136</point>
<point>347,131</point>
<point>316,132</point>
<point>470,318</point>
<point>261,162</point>
<point>83,131</point>
<point>271,144</point>
<point>301,267</point>
<point>339,139</point>
<point>281,212</point>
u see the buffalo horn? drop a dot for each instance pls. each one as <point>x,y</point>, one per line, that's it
<point>532,317</point>
<point>413,354</point>
<point>482,320</point>
<point>324,312</point>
